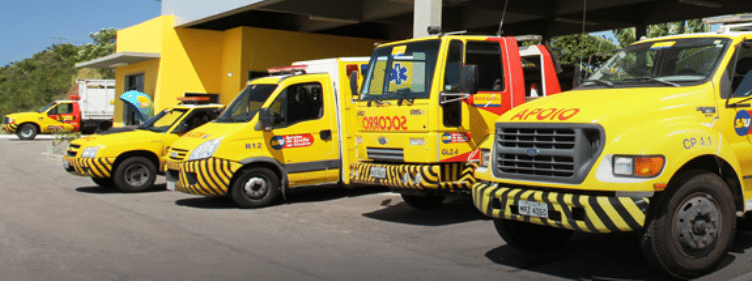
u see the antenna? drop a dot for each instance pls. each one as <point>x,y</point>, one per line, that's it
<point>584,14</point>
<point>500,32</point>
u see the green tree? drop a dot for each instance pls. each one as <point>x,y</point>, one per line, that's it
<point>626,36</point>
<point>571,48</point>
<point>104,44</point>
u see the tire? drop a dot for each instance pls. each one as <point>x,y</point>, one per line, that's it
<point>692,227</point>
<point>135,174</point>
<point>104,182</point>
<point>27,132</point>
<point>255,187</point>
<point>423,201</point>
<point>531,238</point>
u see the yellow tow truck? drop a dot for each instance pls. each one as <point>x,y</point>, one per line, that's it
<point>656,141</point>
<point>131,158</point>
<point>288,130</point>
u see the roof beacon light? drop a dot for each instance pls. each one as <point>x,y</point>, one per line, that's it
<point>299,68</point>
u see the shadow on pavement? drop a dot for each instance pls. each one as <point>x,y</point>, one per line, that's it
<point>598,257</point>
<point>294,196</point>
<point>107,190</point>
<point>453,210</point>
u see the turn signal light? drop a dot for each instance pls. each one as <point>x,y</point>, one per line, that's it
<point>648,166</point>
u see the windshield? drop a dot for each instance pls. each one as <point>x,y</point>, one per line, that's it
<point>163,121</point>
<point>46,107</point>
<point>401,72</point>
<point>672,62</point>
<point>247,103</point>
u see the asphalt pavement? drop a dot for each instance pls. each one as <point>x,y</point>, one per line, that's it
<point>56,226</point>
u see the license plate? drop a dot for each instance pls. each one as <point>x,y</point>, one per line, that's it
<point>171,185</point>
<point>531,208</point>
<point>378,172</point>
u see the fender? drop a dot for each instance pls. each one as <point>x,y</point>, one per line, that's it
<point>273,162</point>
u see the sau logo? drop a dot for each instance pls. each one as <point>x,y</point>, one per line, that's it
<point>455,137</point>
<point>532,152</point>
<point>277,142</point>
<point>742,122</point>
<point>399,74</point>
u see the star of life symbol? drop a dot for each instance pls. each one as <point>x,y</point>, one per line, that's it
<point>399,74</point>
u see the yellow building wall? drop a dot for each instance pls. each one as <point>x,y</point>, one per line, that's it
<point>217,62</point>
<point>144,37</point>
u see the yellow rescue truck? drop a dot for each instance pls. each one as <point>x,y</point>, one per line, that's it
<point>419,116</point>
<point>131,158</point>
<point>284,131</point>
<point>657,142</point>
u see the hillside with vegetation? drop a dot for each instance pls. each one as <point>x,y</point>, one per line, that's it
<point>50,74</point>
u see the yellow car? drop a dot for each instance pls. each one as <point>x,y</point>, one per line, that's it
<point>131,158</point>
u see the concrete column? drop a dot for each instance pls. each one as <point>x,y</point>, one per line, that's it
<point>427,13</point>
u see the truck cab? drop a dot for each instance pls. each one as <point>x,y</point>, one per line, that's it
<point>284,131</point>
<point>655,142</point>
<point>417,124</point>
<point>131,158</point>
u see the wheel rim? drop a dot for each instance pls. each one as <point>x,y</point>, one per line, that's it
<point>696,224</point>
<point>255,187</point>
<point>26,132</point>
<point>136,175</point>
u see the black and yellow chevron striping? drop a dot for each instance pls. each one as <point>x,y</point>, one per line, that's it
<point>208,177</point>
<point>450,177</point>
<point>595,214</point>
<point>92,167</point>
<point>10,127</point>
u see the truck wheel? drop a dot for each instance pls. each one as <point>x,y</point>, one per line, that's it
<point>531,238</point>
<point>27,132</point>
<point>135,174</point>
<point>423,201</point>
<point>104,182</point>
<point>692,227</point>
<point>256,187</point>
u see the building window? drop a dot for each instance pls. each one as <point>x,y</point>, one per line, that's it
<point>133,82</point>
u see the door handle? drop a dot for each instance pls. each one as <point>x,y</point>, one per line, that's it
<point>325,134</point>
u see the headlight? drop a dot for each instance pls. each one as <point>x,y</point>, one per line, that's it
<point>205,150</point>
<point>90,152</point>
<point>8,120</point>
<point>638,166</point>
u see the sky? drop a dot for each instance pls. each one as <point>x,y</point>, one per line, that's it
<point>28,27</point>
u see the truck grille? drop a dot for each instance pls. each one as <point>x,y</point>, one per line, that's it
<point>546,152</point>
<point>385,154</point>
<point>6,120</point>
<point>177,154</point>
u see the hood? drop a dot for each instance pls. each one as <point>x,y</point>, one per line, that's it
<point>210,131</point>
<point>118,130</point>
<point>108,139</point>
<point>624,105</point>
<point>24,115</point>
<point>139,103</point>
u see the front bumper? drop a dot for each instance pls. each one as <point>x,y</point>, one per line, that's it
<point>594,214</point>
<point>89,167</point>
<point>435,178</point>
<point>11,128</point>
<point>207,177</point>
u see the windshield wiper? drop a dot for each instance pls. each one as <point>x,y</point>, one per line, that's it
<point>659,80</point>
<point>604,82</point>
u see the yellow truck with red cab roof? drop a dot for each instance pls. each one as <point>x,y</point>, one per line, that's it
<point>656,141</point>
<point>426,103</point>
<point>89,110</point>
<point>288,130</point>
<point>130,158</point>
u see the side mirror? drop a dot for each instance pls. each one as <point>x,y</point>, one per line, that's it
<point>265,119</point>
<point>469,79</point>
<point>354,83</point>
<point>578,76</point>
